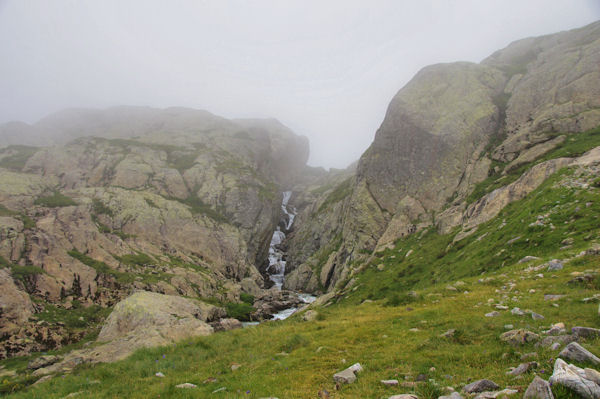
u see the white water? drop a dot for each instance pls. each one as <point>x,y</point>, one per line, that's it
<point>276,267</point>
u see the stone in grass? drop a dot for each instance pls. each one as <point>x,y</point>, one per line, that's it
<point>186,385</point>
<point>496,394</point>
<point>555,265</point>
<point>42,361</point>
<point>453,395</point>
<point>538,389</point>
<point>574,378</point>
<point>576,352</point>
<point>517,312</point>
<point>348,376</point>
<point>586,332</point>
<point>528,258</point>
<point>481,386</point>
<point>448,334</point>
<point>519,337</point>
<point>404,396</point>
<point>523,368</point>
<point>492,314</point>
<point>536,316</point>
<point>159,374</point>
<point>390,383</point>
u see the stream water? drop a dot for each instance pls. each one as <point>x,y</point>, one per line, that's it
<point>277,262</point>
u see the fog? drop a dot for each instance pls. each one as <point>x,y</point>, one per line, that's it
<point>326,69</point>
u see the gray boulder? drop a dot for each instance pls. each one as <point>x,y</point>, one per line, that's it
<point>574,378</point>
<point>538,389</point>
<point>576,352</point>
<point>481,386</point>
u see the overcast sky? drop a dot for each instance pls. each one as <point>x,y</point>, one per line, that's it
<point>327,69</point>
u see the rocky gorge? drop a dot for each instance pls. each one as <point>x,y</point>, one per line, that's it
<point>132,228</point>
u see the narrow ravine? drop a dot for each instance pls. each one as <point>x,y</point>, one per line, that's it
<point>276,269</point>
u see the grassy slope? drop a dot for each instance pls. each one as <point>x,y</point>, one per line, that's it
<point>377,334</point>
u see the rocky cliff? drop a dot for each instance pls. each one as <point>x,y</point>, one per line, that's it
<point>175,201</point>
<point>450,136</point>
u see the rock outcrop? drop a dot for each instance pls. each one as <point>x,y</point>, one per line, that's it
<point>447,130</point>
<point>174,201</point>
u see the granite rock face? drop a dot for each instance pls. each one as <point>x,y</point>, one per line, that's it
<point>175,201</point>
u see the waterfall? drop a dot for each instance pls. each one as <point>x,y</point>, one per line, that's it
<point>276,267</point>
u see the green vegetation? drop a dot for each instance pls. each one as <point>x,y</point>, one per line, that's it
<point>17,156</point>
<point>101,267</point>
<point>377,336</point>
<point>22,273</point>
<point>575,145</point>
<point>534,226</point>
<point>341,191</point>
<point>56,200</point>
<point>99,208</point>
<point>247,298</point>
<point>240,311</point>
<point>197,206</point>
<point>138,259</point>
<point>78,317</point>
<point>4,211</point>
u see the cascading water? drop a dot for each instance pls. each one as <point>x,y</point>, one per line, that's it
<point>276,267</point>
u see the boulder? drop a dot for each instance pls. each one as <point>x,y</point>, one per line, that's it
<point>453,395</point>
<point>42,361</point>
<point>576,352</point>
<point>538,389</point>
<point>523,368</point>
<point>496,394</point>
<point>586,332</point>
<point>519,337</point>
<point>481,386</point>
<point>555,265</point>
<point>348,376</point>
<point>574,378</point>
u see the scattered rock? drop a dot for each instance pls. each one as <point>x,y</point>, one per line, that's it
<point>42,361</point>
<point>448,334</point>
<point>422,377</point>
<point>519,337</point>
<point>528,258</point>
<point>226,324</point>
<point>324,394</point>
<point>551,297</point>
<point>529,356</point>
<point>536,316</point>
<point>492,314</point>
<point>574,378</point>
<point>555,265</point>
<point>496,394</point>
<point>576,352</point>
<point>219,390</point>
<point>481,386</point>
<point>501,307</point>
<point>186,385</point>
<point>555,346</point>
<point>517,312</point>
<point>561,339</point>
<point>348,376</point>
<point>404,396</point>
<point>390,383</point>
<point>43,379</point>
<point>159,374</point>
<point>523,368</point>
<point>453,395</point>
<point>585,332</point>
<point>538,389</point>
<point>310,315</point>
<point>235,366</point>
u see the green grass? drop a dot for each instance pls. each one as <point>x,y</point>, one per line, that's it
<point>56,200</point>
<point>240,311</point>
<point>19,154</point>
<point>197,206</point>
<point>138,259</point>
<point>101,267</point>
<point>22,273</point>
<point>377,336</point>
<point>79,317</point>
<point>4,211</point>
<point>340,192</point>
<point>575,145</point>
<point>436,259</point>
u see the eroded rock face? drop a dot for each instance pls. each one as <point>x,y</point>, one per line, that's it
<point>175,201</point>
<point>15,305</point>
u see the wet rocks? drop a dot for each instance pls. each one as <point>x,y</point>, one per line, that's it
<point>574,378</point>
<point>538,389</point>
<point>481,386</point>
<point>576,352</point>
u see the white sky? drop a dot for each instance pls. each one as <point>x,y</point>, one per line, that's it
<point>325,68</point>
